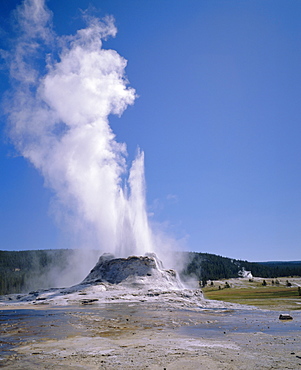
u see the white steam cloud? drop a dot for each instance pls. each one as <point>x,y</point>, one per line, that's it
<point>64,89</point>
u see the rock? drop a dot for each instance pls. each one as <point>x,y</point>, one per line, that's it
<point>88,301</point>
<point>285,316</point>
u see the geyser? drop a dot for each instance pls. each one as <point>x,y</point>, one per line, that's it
<point>134,271</point>
<point>64,89</point>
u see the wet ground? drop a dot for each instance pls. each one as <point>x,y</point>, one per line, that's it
<point>23,332</point>
<point>243,321</point>
<point>21,326</point>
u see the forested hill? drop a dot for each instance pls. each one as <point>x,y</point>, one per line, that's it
<point>21,271</point>
<point>30,270</point>
<point>206,266</point>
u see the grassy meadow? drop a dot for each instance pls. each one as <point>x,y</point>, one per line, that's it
<point>261,293</point>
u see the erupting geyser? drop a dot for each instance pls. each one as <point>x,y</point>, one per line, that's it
<point>63,91</point>
<point>64,88</point>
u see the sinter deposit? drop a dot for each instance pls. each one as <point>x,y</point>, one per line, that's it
<point>112,279</point>
<point>132,279</point>
<point>133,271</point>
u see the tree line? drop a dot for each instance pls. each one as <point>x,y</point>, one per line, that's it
<point>21,271</point>
<point>206,266</point>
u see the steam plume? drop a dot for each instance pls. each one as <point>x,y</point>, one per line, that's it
<point>64,89</point>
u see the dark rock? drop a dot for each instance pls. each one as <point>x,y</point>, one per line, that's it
<point>88,301</point>
<point>285,316</point>
<point>35,293</point>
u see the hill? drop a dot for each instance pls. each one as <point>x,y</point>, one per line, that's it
<point>21,271</point>
<point>206,266</point>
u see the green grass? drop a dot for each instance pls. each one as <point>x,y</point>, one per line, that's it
<point>264,297</point>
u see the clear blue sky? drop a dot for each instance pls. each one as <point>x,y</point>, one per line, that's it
<point>218,117</point>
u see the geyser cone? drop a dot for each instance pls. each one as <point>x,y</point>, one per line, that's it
<point>135,270</point>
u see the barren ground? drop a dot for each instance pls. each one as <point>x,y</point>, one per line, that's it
<point>148,335</point>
